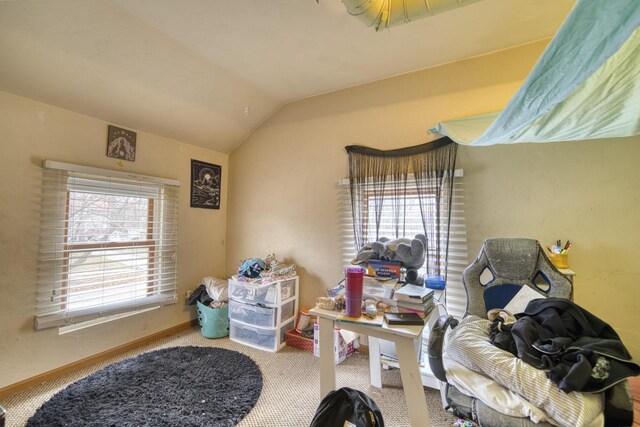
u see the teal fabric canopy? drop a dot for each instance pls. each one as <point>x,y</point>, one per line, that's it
<point>585,85</point>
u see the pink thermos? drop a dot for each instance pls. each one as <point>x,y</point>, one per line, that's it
<point>353,291</point>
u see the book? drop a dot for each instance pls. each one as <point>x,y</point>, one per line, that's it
<point>417,306</point>
<point>413,293</point>
<point>422,314</point>
<point>362,320</point>
<point>380,268</point>
<point>403,319</point>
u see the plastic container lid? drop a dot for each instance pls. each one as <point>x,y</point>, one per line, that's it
<point>355,270</point>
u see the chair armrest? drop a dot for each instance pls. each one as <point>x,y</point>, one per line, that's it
<point>436,341</point>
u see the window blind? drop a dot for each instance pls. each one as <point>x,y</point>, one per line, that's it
<point>108,243</point>
<point>454,298</point>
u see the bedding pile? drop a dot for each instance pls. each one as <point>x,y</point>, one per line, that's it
<point>524,388</point>
<point>555,362</point>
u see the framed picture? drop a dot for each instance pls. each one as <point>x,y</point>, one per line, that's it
<point>205,185</point>
<point>121,144</point>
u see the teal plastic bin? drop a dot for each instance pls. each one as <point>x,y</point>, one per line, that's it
<point>214,322</point>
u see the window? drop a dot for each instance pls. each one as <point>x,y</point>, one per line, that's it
<point>108,244</point>
<point>410,204</point>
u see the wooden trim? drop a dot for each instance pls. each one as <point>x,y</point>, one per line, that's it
<point>79,364</point>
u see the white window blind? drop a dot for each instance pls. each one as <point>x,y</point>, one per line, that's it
<point>454,298</point>
<point>108,244</point>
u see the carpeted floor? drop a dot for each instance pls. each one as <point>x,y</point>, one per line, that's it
<point>290,393</point>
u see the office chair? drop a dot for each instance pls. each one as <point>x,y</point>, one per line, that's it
<point>502,267</point>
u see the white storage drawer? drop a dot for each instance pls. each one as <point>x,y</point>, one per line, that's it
<point>287,311</point>
<point>260,316</point>
<point>253,315</point>
<point>259,293</point>
<point>263,338</point>
<point>287,289</point>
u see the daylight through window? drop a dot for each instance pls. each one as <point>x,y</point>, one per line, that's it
<point>409,205</point>
<point>108,244</point>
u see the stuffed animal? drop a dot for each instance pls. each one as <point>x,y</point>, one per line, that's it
<point>364,254</point>
<point>410,252</point>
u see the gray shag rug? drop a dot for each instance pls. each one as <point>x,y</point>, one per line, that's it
<point>177,386</point>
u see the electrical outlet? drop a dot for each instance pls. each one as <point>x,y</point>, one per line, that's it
<point>187,294</point>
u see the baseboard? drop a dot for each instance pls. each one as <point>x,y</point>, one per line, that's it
<point>49,375</point>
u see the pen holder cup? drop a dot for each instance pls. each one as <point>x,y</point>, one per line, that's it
<point>559,260</point>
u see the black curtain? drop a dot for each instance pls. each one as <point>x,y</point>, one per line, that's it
<point>393,177</point>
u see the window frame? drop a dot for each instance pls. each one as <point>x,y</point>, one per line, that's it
<point>153,288</point>
<point>149,242</point>
<point>453,299</point>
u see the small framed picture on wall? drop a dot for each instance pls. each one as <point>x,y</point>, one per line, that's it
<point>121,144</point>
<point>205,185</point>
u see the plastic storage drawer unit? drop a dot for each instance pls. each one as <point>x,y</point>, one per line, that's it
<point>261,313</point>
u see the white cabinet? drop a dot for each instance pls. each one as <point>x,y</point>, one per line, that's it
<point>261,312</point>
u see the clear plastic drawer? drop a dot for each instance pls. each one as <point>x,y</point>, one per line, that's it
<point>261,293</point>
<point>262,338</point>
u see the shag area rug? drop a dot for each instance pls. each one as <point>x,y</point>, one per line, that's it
<point>177,386</point>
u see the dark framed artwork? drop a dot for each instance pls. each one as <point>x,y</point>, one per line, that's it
<point>205,185</point>
<point>121,144</point>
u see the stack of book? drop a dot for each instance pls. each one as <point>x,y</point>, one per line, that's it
<point>413,299</point>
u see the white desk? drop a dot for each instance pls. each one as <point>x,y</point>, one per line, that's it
<point>403,337</point>
<point>375,353</point>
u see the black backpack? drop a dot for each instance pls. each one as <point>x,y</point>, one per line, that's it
<point>344,406</point>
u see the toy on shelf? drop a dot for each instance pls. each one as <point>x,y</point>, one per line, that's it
<point>410,253</point>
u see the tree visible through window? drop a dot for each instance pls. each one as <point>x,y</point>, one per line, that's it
<point>109,234</point>
<point>108,244</point>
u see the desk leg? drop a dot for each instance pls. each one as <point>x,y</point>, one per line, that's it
<point>327,363</point>
<point>374,362</point>
<point>412,383</point>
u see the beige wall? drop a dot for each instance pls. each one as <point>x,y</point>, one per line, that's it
<point>283,193</point>
<point>283,197</point>
<point>30,132</point>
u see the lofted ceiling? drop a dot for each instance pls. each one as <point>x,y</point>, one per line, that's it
<point>209,72</point>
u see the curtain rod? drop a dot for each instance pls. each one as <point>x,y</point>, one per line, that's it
<point>458,173</point>
<point>400,152</point>
<point>50,164</point>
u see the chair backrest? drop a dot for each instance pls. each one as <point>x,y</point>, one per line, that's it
<point>503,266</point>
